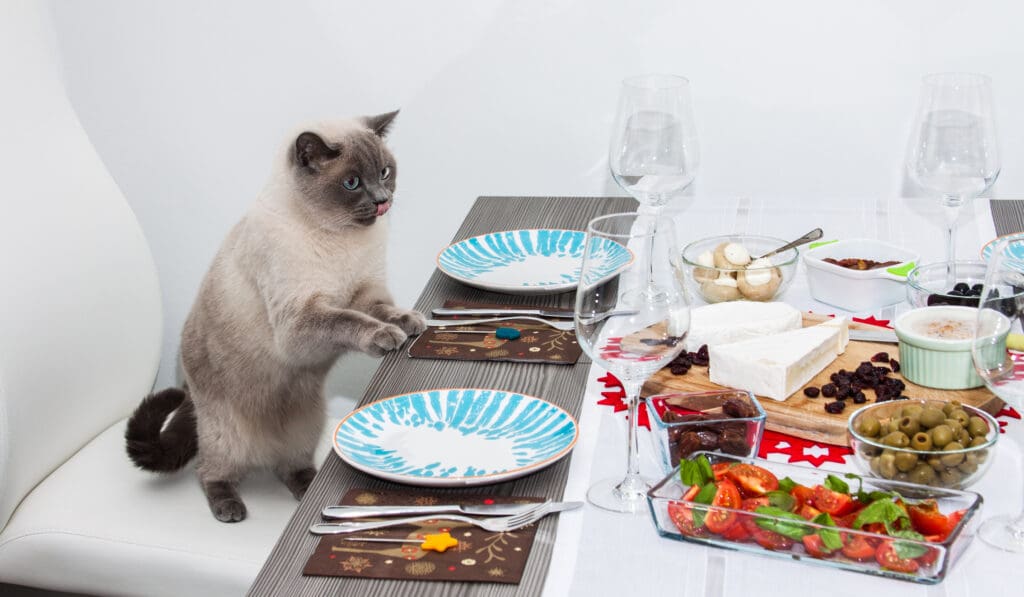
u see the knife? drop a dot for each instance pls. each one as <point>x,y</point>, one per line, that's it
<point>477,510</point>
<point>881,334</point>
<point>553,312</point>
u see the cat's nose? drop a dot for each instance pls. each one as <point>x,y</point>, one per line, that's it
<point>378,199</point>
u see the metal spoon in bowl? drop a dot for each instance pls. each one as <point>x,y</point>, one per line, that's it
<point>810,236</point>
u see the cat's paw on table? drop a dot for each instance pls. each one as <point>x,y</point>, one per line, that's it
<point>384,339</point>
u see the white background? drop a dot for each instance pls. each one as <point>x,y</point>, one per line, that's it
<point>188,101</point>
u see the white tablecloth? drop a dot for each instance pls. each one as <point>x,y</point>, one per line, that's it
<point>601,553</point>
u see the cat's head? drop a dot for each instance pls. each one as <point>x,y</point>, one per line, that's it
<point>345,173</point>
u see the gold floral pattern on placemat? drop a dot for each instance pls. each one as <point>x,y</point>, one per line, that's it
<point>537,343</point>
<point>480,556</point>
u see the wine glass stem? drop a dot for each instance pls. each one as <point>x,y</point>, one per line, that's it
<point>951,206</point>
<point>633,482</point>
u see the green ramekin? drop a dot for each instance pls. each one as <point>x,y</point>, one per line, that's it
<point>935,362</point>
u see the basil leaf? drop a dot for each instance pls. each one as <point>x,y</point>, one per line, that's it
<point>786,484</point>
<point>793,525</point>
<point>705,496</point>
<point>884,511</point>
<point>836,484</point>
<point>781,499</point>
<point>908,550</point>
<point>830,539</point>
<point>696,472</point>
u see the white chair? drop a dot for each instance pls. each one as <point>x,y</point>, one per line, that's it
<point>80,331</point>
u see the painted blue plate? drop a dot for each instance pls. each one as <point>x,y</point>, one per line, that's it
<point>542,261</point>
<point>1015,249</point>
<point>455,437</point>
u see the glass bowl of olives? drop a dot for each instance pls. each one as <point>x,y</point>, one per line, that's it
<point>927,442</point>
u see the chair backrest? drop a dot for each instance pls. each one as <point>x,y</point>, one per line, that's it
<point>80,320</point>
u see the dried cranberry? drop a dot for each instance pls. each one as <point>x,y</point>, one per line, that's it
<point>829,390</point>
<point>881,357</point>
<point>860,398</point>
<point>895,365</point>
<point>811,392</point>
<point>835,407</point>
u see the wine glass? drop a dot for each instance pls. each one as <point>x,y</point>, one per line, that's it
<point>632,321</point>
<point>953,150</point>
<point>1002,302</point>
<point>653,153</point>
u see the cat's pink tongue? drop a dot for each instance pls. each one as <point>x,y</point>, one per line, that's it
<point>383,208</point>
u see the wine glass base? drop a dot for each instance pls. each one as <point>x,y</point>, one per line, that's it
<point>609,494</point>
<point>999,533</point>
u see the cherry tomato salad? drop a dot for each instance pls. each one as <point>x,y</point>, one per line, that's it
<point>787,516</point>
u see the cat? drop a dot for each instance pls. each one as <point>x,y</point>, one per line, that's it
<point>299,281</point>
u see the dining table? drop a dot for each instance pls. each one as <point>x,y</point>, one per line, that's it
<point>590,551</point>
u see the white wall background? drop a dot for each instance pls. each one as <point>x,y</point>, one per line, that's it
<point>187,102</point>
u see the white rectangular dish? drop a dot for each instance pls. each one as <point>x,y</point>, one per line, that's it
<point>858,290</point>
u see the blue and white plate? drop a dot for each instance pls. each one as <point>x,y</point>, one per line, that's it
<point>455,437</point>
<point>1015,249</point>
<point>541,261</point>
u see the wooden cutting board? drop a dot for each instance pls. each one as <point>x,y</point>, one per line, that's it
<point>805,417</point>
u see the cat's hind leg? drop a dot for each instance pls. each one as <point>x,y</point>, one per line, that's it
<point>225,503</point>
<point>296,477</point>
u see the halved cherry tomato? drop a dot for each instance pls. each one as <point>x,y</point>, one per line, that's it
<point>927,520</point>
<point>886,556</point>
<point>808,511</point>
<point>752,480</point>
<point>929,557</point>
<point>737,533</point>
<point>815,546</point>
<point>857,547</point>
<point>727,495</point>
<point>833,502</point>
<point>754,503</point>
<point>682,516</point>
<point>691,493</point>
<point>719,469</point>
<point>768,539</point>
<point>803,494</point>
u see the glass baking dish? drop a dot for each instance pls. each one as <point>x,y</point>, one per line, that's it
<point>667,498</point>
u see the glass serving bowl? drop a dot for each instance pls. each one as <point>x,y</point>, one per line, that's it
<point>685,423</point>
<point>954,469</point>
<point>727,282</point>
<point>669,505</point>
<point>927,286</point>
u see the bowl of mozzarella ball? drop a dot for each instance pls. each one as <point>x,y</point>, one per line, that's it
<point>728,268</point>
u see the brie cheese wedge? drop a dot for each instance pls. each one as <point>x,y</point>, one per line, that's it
<point>778,365</point>
<point>733,321</point>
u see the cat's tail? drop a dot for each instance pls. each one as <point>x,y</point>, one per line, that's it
<point>152,446</point>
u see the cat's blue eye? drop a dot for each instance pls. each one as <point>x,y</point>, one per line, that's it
<point>351,183</point>
<point>385,173</point>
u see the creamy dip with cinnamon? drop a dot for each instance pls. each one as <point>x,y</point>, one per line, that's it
<point>945,329</point>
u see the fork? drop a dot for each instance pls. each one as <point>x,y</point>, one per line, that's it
<point>494,525</point>
<point>558,325</point>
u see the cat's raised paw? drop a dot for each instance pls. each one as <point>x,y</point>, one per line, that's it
<point>411,322</point>
<point>385,339</point>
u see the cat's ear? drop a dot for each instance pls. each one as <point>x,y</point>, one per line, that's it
<point>381,123</point>
<point>312,152</point>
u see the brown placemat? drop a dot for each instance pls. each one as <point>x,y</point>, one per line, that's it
<point>480,556</point>
<point>538,343</point>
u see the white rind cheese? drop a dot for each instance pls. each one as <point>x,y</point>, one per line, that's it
<point>734,321</point>
<point>776,366</point>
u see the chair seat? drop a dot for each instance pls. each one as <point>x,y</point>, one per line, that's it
<point>100,525</point>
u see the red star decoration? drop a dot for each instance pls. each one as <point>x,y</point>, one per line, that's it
<point>616,398</point>
<point>796,449</point>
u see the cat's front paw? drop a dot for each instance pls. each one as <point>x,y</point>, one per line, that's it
<point>384,339</point>
<point>228,509</point>
<point>412,323</point>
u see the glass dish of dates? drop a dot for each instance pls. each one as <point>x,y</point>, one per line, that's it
<point>927,285</point>
<point>727,421</point>
<point>839,520</point>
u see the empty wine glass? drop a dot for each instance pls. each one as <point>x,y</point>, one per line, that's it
<point>632,321</point>
<point>653,153</point>
<point>953,150</point>
<point>1002,302</point>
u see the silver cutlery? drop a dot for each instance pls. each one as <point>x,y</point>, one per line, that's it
<point>558,325</point>
<point>494,525</point>
<point>558,313</point>
<point>475,510</point>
